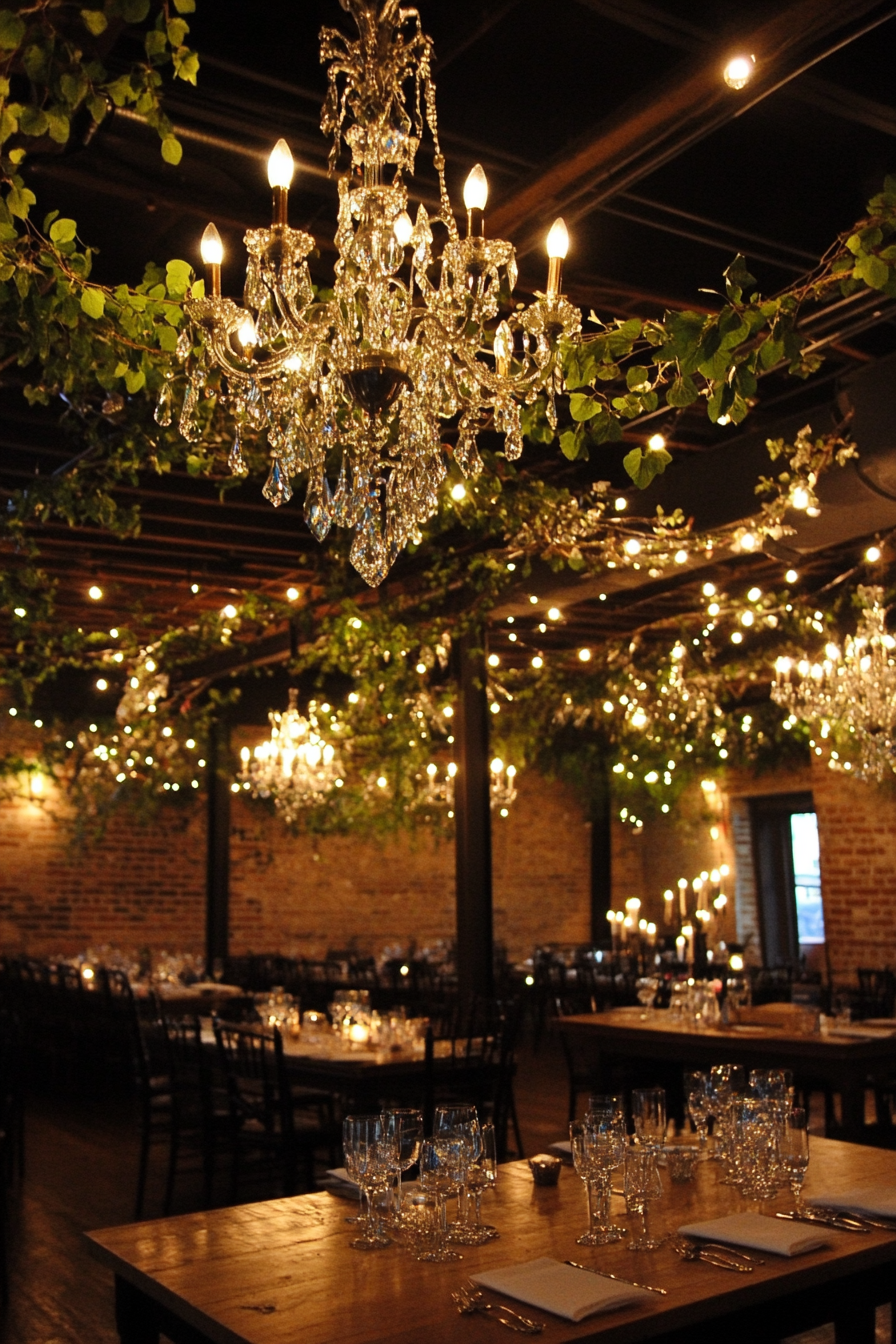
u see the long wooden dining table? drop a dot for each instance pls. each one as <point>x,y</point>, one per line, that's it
<point>282,1272</point>
<point>845,1063</point>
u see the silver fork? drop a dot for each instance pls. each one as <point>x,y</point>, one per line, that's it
<point>719,1246</point>
<point>469,1300</point>
<point>722,1260</point>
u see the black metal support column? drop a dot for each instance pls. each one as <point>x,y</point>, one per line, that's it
<point>217,891</point>
<point>472,820</point>
<point>601,858</point>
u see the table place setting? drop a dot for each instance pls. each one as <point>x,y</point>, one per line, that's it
<point>562,1289</point>
<point>875,1206</point>
<point>758,1232</point>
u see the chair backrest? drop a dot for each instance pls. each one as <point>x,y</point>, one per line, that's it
<point>257,1087</point>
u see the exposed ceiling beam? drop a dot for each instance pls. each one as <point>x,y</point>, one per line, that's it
<point>685,108</point>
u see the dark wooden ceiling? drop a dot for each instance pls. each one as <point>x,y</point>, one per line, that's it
<point>611,111</point>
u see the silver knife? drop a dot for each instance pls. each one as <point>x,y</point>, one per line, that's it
<point>863,1219</point>
<point>602,1273</point>
<point>842,1224</point>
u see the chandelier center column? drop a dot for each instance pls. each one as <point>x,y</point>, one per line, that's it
<point>472,811</point>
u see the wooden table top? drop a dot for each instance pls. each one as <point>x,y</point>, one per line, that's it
<point>621,1025</point>
<point>217,1269</point>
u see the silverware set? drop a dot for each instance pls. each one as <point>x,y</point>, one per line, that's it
<point>713,1253</point>
<point>469,1300</point>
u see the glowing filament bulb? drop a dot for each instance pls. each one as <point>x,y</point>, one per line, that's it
<point>476,189</point>
<point>280,166</point>
<point>557,244</point>
<point>739,71</point>
<point>403,227</point>
<point>503,347</point>
<point>247,333</point>
<point>211,249</point>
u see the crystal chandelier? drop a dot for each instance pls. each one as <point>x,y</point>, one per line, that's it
<point>502,786</point>
<point>296,766</point>
<point>850,692</point>
<point>352,390</point>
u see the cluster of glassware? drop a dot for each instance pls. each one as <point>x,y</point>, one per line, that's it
<point>279,1009</point>
<point>695,1002</point>
<point>458,1160</point>
<point>600,1145</point>
<point>357,1023</point>
<point>762,1139</point>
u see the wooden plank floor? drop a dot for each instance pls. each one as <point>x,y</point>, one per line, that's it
<point>81,1174</point>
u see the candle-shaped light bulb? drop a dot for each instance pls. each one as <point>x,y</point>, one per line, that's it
<point>280,166</point>
<point>475,197</point>
<point>403,227</point>
<point>557,248</point>
<point>211,249</point>
<point>247,333</point>
<point>503,347</point>
<point>280,170</point>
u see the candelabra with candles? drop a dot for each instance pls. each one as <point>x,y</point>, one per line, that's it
<point>356,388</point>
<point>696,914</point>
<point>852,690</point>
<point>439,790</point>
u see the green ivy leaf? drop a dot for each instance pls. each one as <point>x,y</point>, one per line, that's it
<point>93,302</point>
<point>12,30</point>
<point>34,121</point>
<point>873,271</point>
<point>569,445</point>
<point>62,231</point>
<point>683,392</point>
<point>172,150</point>
<point>185,6</point>
<point>155,44</point>
<point>643,465</point>
<point>738,279</point>
<point>637,378</point>
<point>134,379</point>
<point>177,31</point>
<point>59,125</point>
<point>583,407</point>
<point>19,200</point>
<point>177,277</point>
<point>186,64</point>
<point>94,21</point>
<point>134,11</point>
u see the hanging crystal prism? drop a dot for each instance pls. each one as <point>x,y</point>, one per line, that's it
<point>164,405</point>
<point>235,459</point>
<point>318,510</point>
<point>277,489</point>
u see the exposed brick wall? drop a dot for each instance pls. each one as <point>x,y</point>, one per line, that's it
<point>145,884</point>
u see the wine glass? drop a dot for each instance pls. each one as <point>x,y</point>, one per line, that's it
<point>649,1115</point>
<point>646,989</point>
<point>461,1124</point>
<point>440,1176</point>
<point>794,1151</point>
<point>483,1175</point>
<point>366,1163</point>
<point>641,1181</point>
<point>697,1100</point>
<point>403,1126</point>
<point>605,1148</point>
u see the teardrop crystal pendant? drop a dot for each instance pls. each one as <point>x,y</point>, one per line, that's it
<point>318,511</point>
<point>235,460</point>
<point>164,405</point>
<point>368,553</point>
<point>277,489</point>
<point>184,343</point>
<point>188,424</point>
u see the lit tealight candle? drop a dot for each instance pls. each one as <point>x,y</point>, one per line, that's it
<point>557,248</point>
<point>211,249</point>
<point>358,1033</point>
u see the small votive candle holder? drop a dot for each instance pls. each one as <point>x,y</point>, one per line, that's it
<point>545,1168</point>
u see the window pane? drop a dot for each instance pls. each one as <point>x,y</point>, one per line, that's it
<point>807,877</point>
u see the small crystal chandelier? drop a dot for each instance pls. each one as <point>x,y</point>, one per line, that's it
<point>296,766</point>
<point>502,785</point>
<point>355,388</point>
<point>853,690</point>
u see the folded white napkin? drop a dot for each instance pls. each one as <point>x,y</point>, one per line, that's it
<point>873,1200</point>
<point>758,1232</point>
<point>561,1289</point>
<point>562,1148</point>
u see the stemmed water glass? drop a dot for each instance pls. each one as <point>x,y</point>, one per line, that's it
<point>794,1151</point>
<point>598,1148</point>
<point>483,1175</point>
<point>441,1171</point>
<point>697,1101</point>
<point>646,989</point>
<point>403,1127</point>
<point>649,1116</point>
<point>461,1125</point>
<point>641,1185</point>
<point>368,1162</point>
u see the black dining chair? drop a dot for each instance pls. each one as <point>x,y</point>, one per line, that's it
<point>265,1121</point>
